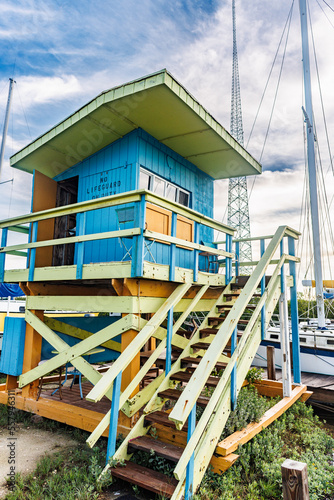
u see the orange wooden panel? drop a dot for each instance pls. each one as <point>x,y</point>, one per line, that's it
<point>184,228</point>
<point>44,197</point>
<point>158,219</point>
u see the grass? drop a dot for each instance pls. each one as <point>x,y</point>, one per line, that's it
<point>298,434</point>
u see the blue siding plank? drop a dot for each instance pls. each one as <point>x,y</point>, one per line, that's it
<point>33,251</point>
<point>11,360</point>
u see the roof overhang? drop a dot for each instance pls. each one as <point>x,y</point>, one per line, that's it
<point>156,103</point>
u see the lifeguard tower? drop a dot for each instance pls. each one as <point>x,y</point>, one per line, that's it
<point>121,238</point>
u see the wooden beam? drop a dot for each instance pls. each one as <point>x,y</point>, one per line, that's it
<point>83,206</point>
<point>60,345</point>
<point>56,289</point>
<point>122,362</point>
<point>79,333</point>
<point>231,443</point>
<point>71,354</point>
<point>122,233</point>
<point>32,354</point>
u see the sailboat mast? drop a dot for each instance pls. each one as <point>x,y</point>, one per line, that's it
<point>313,188</point>
<point>5,126</point>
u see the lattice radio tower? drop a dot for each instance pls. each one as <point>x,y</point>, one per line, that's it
<point>238,211</point>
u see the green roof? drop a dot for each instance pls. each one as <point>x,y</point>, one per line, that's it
<point>156,103</point>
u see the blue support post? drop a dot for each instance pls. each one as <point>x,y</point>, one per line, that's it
<point>137,263</point>
<point>282,268</point>
<point>33,251</point>
<point>172,249</point>
<point>263,287</point>
<point>169,340</point>
<point>4,235</point>
<point>234,371</point>
<point>190,467</point>
<point>80,248</point>
<point>116,394</point>
<point>228,259</point>
<point>294,316</point>
<point>237,258</point>
<point>196,252</point>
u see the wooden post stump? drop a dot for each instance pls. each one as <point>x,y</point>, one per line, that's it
<point>271,368</point>
<point>295,481</point>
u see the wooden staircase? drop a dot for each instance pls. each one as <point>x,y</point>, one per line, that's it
<point>208,371</point>
<point>155,415</point>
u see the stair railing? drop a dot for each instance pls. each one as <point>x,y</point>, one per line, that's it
<point>188,398</point>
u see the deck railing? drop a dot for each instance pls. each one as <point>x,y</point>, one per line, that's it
<point>139,234</point>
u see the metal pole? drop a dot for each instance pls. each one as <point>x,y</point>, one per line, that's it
<point>308,112</point>
<point>5,126</point>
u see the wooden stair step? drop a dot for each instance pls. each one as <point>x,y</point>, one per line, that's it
<point>216,320</point>
<point>200,345</point>
<point>224,307</point>
<point>212,331</point>
<point>164,450</point>
<point>161,418</point>
<point>145,478</point>
<point>196,361</point>
<point>174,394</point>
<point>208,331</point>
<point>186,376</point>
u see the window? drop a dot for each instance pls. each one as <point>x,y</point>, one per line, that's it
<point>160,186</point>
<point>144,180</point>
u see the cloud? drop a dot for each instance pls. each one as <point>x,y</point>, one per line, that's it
<point>67,52</point>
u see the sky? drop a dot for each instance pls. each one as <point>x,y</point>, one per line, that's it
<point>63,53</point>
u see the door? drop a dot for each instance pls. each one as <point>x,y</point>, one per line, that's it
<point>65,226</point>
<point>44,197</point>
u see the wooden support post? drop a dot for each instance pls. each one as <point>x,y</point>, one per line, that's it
<point>295,481</point>
<point>294,316</point>
<point>172,249</point>
<point>4,235</point>
<point>234,371</point>
<point>129,373</point>
<point>32,355</point>
<point>237,257</point>
<point>228,259</point>
<point>271,368</point>
<point>263,287</point>
<point>284,329</point>
<point>33,251</point>
<point>190,467</point>
<point>11,382</point>
<point>169,340</point>
<point>80,246</point>
<point>196,252</point>
<point>137,263</point>
<point>114,417</point>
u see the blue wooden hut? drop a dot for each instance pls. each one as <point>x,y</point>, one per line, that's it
<point>122,226</point>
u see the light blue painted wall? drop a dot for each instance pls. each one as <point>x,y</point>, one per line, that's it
<point>115,169</point>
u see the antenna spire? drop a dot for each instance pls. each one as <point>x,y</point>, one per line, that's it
<point>238,211</point>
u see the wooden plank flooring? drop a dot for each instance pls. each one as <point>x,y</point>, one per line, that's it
<point>72,397</point>
<point>322,386</point>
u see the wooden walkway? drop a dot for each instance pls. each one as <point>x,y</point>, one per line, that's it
<point>322,386</point>
<point>72,397</point>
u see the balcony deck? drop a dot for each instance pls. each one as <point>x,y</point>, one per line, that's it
<point>112,270</point>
